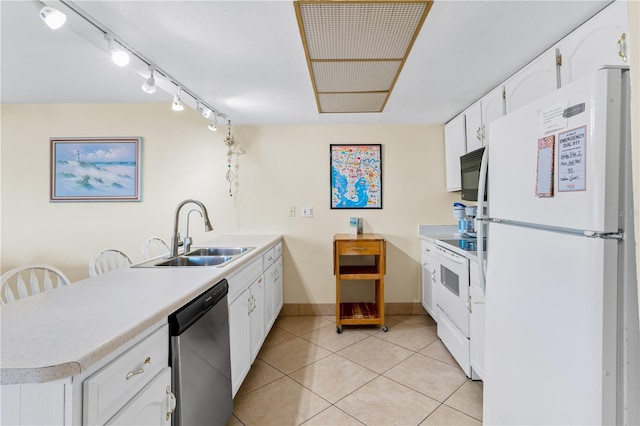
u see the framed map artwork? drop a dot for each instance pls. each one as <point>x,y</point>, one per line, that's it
<point>356,176</point>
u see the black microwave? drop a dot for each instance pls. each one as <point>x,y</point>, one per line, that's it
<point>470,175</point>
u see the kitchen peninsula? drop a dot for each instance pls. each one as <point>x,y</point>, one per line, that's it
<point>52,342</point>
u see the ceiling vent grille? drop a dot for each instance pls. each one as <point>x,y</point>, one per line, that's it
<point>356,49</point>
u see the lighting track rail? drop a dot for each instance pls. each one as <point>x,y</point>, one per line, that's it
<point>180,89</point>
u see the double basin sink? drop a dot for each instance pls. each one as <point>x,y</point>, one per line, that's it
<point>201,256</point>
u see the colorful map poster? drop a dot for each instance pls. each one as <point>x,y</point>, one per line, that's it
<point>356,176</point>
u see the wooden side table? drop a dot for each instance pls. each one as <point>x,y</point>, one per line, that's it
<point>374,245</point>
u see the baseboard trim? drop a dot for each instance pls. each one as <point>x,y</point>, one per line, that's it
<point>329,309</point>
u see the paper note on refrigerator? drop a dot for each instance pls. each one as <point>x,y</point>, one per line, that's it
<point>572,147</point>
<point>544,176</point>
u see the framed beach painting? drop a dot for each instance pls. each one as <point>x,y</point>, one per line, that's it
<point>356,176</point>
<point>95,169</point>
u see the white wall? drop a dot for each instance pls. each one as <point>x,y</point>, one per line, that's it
<point>283,166</point>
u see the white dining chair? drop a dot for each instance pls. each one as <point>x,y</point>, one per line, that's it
<point>154,247</point>
<point>41,278</point>
<point>108,260</point>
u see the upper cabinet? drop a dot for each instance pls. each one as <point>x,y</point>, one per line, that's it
<point>480,115</point>
<point>533,81</point>
<point>602,40</point>
<point>455,146</point>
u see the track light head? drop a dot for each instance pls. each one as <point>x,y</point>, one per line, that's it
<point>118,55</point>
<point>149,85</point>
<point>52,17</point>
<point>212,126</point>
<point>177,103</point>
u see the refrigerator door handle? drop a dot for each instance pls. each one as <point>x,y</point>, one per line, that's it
<point>605,235</point>
<point>480,217</point>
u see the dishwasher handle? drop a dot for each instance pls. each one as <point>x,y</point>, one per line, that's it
<point>183,318</point>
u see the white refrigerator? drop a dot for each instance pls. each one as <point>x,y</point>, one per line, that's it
<point>561,301</point>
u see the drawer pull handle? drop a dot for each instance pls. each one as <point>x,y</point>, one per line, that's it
<point>359,248</point>
<point>130,374</point>
<point>172,402</point>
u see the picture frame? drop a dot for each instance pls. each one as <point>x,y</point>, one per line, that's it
<point>356,176</point>
<point>95,169</point>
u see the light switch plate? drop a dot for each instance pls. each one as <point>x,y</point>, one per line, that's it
<point>307,211</point>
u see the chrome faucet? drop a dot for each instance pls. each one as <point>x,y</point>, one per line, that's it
<point>186,243</point>
<point>175,238</point>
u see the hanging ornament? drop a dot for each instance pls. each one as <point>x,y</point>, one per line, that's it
<point>230,141</point>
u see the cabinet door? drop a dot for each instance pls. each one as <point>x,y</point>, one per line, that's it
<point>602,40</point>
<point>257,316</point>
<point>153,405</point>
<point>533,81</point>
<point>492,108</point>
<point>476,324</point>
<point>269,297</point>
<point>455,146</point>
<point>278,298</point>
<point>240,339</point>
<point>473,125</point>
<point>429,293</point>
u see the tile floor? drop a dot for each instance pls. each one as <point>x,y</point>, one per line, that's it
<point>307,374</point>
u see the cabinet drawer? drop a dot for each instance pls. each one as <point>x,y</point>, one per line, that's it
<point>108,390</point>
<point>268,258</point>
<point>359,248</point>
<point>277,250</point>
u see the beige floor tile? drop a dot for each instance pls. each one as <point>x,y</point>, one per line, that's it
<point>292,355</point>
<point>328,338</point>
<point>399,318</point>
<point>440,352</point>
<point>429,376</point>
<point>375,329</point>
<point>260,374</point>
<point>283,402</point>
<point>333,377</point>
<point>421,320</point>
<point>445,416</point>
<point>233,421</point>
<point>414,337</point>
<point>385,402</point>
<point>277,335</point>
<point>375,354</point>
<point>302,324</point>
<point>332,416</point>
<point>468,399</point>
<point>330,318</point>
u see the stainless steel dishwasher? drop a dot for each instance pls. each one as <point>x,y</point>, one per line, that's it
<point>200,359</point>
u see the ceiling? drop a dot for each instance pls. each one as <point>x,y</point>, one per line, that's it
<point>246,59</point>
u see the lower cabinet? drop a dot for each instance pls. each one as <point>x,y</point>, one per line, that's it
<point>109,393</point>
<point>151,406</point>
<point>273,298</point>
<point>256,315</point>
<point>476,322</point>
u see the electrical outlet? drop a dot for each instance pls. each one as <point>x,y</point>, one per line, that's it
<point>292,211</point>
<point>307,211</point>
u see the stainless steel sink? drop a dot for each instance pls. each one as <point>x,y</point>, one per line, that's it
<point>195,261</point>
<point>200,256</point>
<point>219,251</point>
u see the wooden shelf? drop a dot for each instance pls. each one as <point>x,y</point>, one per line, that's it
<point>363,272</point>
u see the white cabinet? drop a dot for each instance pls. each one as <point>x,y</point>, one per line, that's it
<point>239,339</point>
<point>429,271</point>
<point>273,297</point>
<point>455,146</point>
<point>602,40</point>
<point>479,116</point>
<point>256,315</point>
<point>152,406</point>
<point>536,79</point>
<point>476,322</point>
<point>106,392</point>
<point>246,319</point>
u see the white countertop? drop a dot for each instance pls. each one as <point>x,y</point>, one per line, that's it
<point>61,333</point>
<point>437,233</point>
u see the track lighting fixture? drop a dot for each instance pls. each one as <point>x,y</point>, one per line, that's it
<point>212,126</point>
<point>52,17</point>
<point>177,103</point>
<point>118,55</point>
<point>204,110</point>
<point>149,85</point>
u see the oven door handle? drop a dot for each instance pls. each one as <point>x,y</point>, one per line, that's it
<point>451,256</point>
